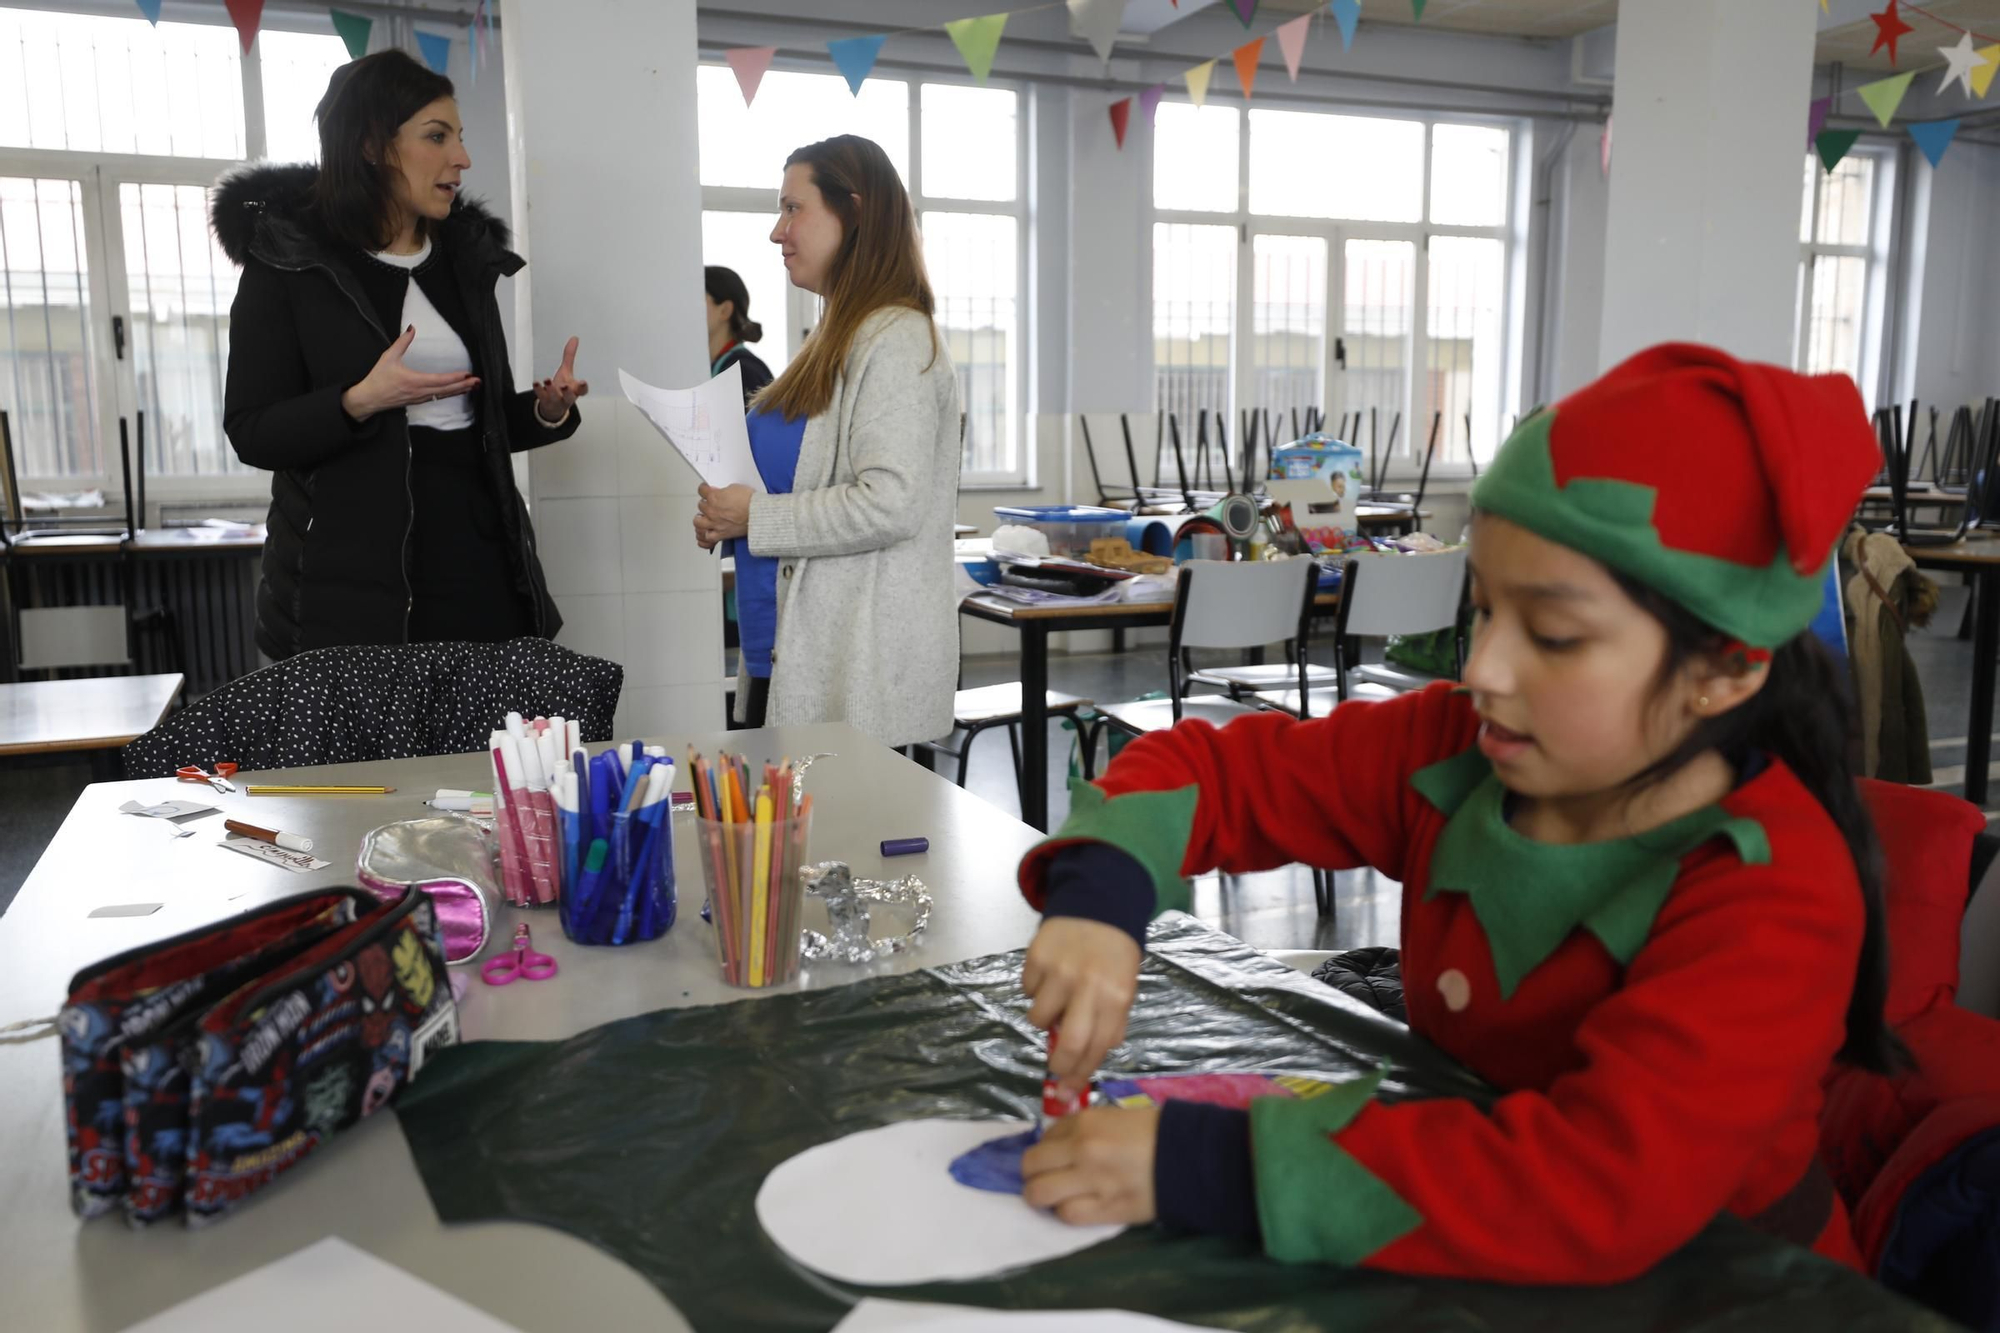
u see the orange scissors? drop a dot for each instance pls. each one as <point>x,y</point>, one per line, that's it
<point>219,779</point>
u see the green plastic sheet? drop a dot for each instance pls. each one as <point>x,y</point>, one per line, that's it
<point>649,1137</point>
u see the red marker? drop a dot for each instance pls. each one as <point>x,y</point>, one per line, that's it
<point>1055,1102</point>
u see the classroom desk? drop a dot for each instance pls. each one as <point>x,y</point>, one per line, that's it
<point>1978,558</point>
<point>62,1277</point>
<point>95,713</point>
<point>1035,624</point>
<point>1401,520</point>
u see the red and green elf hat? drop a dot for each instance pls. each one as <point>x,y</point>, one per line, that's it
<point>1723,484</point>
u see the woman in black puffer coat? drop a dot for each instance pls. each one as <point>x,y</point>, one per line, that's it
<point>368,370</point>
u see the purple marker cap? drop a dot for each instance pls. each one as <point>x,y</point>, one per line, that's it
<point>905,846</point>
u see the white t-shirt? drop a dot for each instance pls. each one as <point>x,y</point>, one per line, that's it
<point>437,348</point>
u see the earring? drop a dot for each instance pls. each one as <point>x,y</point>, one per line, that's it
<point>1701,702</point>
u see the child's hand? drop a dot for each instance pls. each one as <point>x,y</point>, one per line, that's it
<point>1095,1166</point>
<point>1082,975</point>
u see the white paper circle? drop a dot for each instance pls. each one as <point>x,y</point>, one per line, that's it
<point>880,1208</point>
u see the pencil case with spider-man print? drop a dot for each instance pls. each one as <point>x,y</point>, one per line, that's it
<point>289,1060</point>
<point>124,1002</point>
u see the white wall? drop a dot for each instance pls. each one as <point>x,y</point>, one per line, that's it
<point>1953,346</point>
<point>607,185</point>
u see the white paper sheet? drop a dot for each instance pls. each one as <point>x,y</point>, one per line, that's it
<point>880,1208</point>
<point>328,1287</point>
<point>703,424</point>
<point>879,1316</point>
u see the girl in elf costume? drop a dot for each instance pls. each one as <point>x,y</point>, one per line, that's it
<point>1640,893</point>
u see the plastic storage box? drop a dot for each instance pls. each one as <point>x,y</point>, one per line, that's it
<point>1069,528</point>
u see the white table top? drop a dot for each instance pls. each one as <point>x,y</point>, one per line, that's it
<point>89,713</point>
<point>60,1275</point>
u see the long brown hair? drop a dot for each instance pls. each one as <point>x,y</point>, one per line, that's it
<point>365,105</point>
<point>880,263</point>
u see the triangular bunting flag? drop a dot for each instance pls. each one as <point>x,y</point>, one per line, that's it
<point>749,62</point>
<point>1884,95</point>
<point>1346,13</point>
<point>1417,8</point>
<point>1096,21</point>
<point>1934,136</point>
<point>472,52</point>
<point>1245,59</point>
<point>1833,145</point>
<point>151,9</point>
<point>1982,78</point>
<point>1121,116</point>
<point>1149,101</point>
<point>482,32</point>
<point>1245,10</point>
<point>247,15</point>
<point>1292,41</point>
<point>1197,81</point>
<point>977,40</point>
<point>436,51</point>
<point>353,30</point>
<point>1604,149</point>
<point>1889,26</point>
<point>1822,107</point>
<point>854,57</point>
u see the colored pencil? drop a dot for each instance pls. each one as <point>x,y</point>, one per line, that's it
<point>760,931</point>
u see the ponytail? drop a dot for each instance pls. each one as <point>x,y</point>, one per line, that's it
<point>1802,716</point>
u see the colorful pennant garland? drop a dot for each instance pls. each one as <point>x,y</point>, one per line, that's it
<point>354,30</point>
<point>1096,21</point>
<point>1933,137</point>
<point>1982,78</point>
<point>1883,96</point>
<point>151,9</point>
<point>855,57</point>
<point>1961,60</point>
<point>749,63</point>
<point>977,39</point>
<point>1149,101</point>
<point>1417,9</point>
<point>1292,41</point>
<point>1347,13</point>
<point>435,48</point>
<point>246,15</point>
<point>1833,145</point>
<point>1246,10</point>
<point>1121,115</point>
<point>1244,58</point>
<point>1822,107</point>
<point>1197,81</point>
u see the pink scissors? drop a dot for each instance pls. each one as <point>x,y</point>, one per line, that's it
<point>521,963</point>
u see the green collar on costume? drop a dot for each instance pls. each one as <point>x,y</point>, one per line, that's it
<point>1530,895</point>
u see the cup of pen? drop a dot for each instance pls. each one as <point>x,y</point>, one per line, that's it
<point>752,869</point>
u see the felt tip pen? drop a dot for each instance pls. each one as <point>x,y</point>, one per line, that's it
<point>291,842</point>
<point>905,846</point>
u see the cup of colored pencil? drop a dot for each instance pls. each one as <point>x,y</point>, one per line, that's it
<point>752,829</point>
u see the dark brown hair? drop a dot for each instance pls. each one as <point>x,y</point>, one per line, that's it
<point>1801,715</point>
<point>366,103</point>
<point>880,263</point>
<point>724,284</point>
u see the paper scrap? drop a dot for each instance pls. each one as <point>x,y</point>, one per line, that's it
<point>328,1287</point>
<point>300,862</point>
<point>874,1315</point>
<point>169,809</point>
<point>126,909</point>
<point>880,1208</point>
<point>703,424</point>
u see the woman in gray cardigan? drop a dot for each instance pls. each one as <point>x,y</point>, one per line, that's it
<point>844,574</point>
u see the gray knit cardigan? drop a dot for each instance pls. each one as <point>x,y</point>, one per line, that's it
<point>867,627</point>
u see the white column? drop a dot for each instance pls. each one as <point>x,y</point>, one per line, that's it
<point>1709,116</point>
<point>607,211</point>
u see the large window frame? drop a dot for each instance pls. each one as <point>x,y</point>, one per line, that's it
<point>1873,253</point>
<point>1406,458</point>
<point>115,391</point>
<point>803,307</point>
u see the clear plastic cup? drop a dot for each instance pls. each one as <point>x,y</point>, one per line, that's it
<point>756,926</point>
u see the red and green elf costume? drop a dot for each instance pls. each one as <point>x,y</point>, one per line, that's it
<point>1658,1011</point>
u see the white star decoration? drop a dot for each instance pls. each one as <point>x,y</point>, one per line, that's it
<point>1963,60</point>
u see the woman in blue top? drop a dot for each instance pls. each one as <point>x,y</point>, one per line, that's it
<point>858,445</point>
